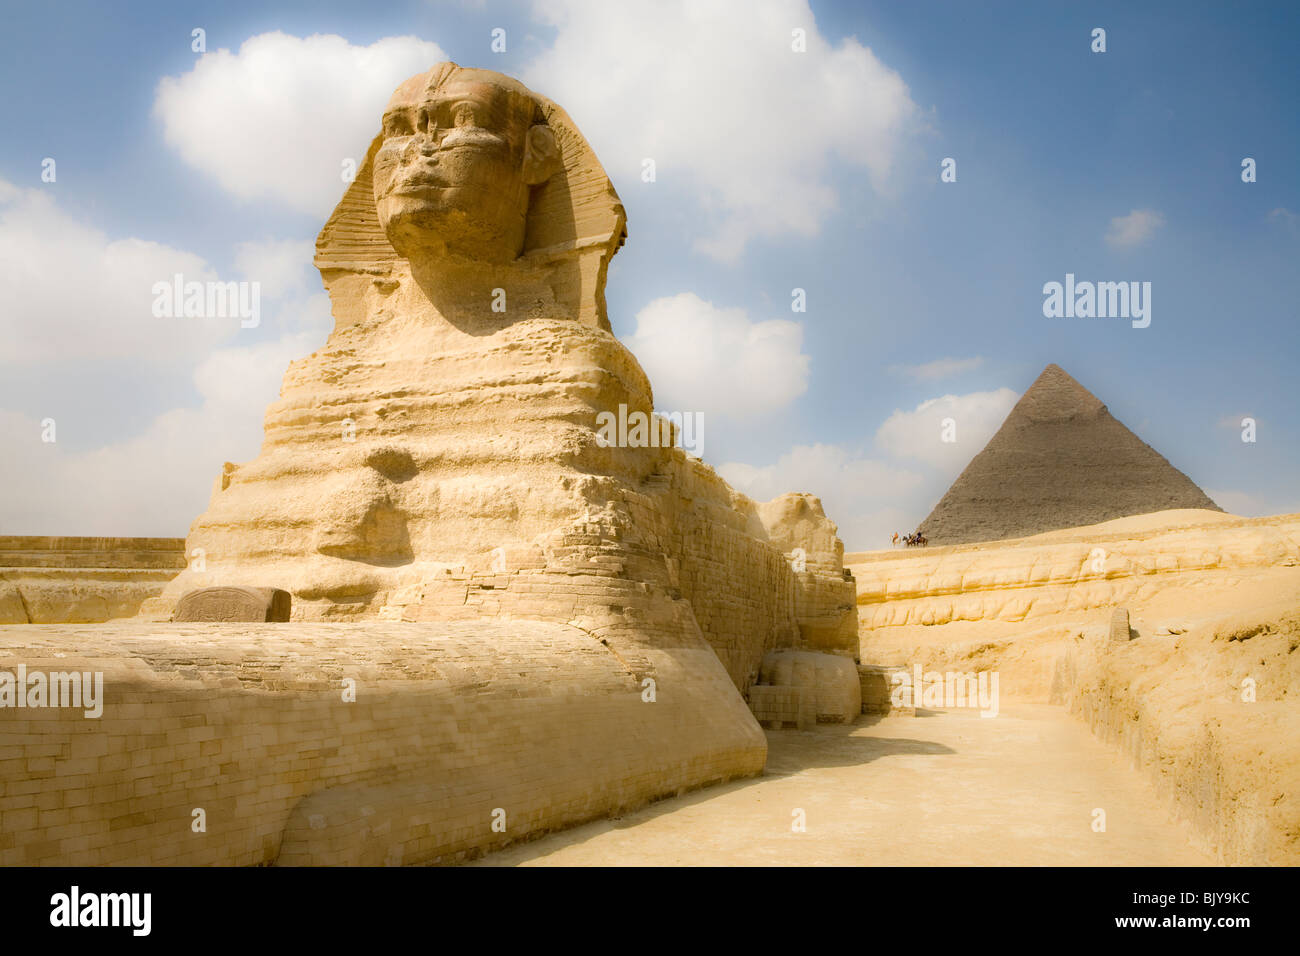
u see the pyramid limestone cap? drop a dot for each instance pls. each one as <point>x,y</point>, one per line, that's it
<point>1056,396</point>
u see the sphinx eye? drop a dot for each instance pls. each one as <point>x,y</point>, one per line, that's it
<point>463,114</point>
<point>397,124</point>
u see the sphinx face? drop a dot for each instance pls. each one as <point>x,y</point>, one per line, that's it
<point>449,177</point>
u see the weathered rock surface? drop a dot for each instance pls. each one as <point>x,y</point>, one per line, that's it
<point>824,592</point>
<point>438,458</point>
<point>234,605</point>
<point>1038,611</point>
<point>1210,716</point>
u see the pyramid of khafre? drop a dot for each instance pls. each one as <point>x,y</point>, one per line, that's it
<point>1060,460</point>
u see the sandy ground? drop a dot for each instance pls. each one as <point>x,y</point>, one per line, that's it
<point>939,789</point>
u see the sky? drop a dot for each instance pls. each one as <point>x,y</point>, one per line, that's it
<point>795,146</point>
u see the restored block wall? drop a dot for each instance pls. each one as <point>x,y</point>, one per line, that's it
<point>829,680</point>
<point>783,705</point>
<point>451,722</point>
<point>825,606</point>
<point>19,551</point>
<point>51,580</point>
<point>878,687</point>
<point>734,565</point>
<point>682,552</point>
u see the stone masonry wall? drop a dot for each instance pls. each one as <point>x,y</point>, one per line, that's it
<point>453,725</point>
<point>51,580</point>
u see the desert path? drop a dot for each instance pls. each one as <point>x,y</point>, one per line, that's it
<point>942,789</point>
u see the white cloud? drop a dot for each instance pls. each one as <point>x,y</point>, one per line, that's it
<point>276,120</point>
<point>69,291</point>
<point>701,358</point>
<point>939,368</point>
<point>157,482</point>
<point>1284,216</point>
<point>282,266</point>
<point>866,498</point>
<point>723,105</point>
<point>72,294</point>
<point>284,269</point>
<point>919,433</point>
<point>1234,422</point>
<point>1135,228</point>
<point>870,498</point>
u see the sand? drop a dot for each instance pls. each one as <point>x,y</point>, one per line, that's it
<point>947,789</point>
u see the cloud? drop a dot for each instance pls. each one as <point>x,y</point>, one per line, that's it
<point>871,496</point>
<point>282,266</point>
<point>69,291</point>
<point>157,482</point>
<point>1134,229</point>
<point>701,358</point>
<point>939,368</point>
<point>867,498</point>
<point>725,107</point>
<point>77,299</point>
<point>1285,217</point>
<point>1235,422</point>
<point>919,434</point>
<point>276,120</point>
<point>288,278</point>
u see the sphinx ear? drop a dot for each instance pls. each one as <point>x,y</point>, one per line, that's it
<point>541,155</point>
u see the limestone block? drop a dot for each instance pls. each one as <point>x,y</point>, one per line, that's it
<point>830,679</point>
<point>1119,625</point>
<point>450,723</point>
<point>12,610</point>
<point>234,604</point>
<point>56,580</point>
<point>783,705</point>
<point>878,686</point>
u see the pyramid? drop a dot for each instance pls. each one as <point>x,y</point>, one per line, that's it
<point>1060,460</point>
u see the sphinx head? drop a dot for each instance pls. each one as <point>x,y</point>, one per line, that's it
<point>461,150</point>
<point>471,168</point>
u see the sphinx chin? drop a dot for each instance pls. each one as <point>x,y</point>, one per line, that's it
<point>422,231</point>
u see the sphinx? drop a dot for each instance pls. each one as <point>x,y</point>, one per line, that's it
<point>503,619</point>
<point>441,457</point>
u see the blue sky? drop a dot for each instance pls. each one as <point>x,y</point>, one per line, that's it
<point>775,170</point>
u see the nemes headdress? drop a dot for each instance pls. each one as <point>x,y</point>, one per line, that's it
<point>575,221</point>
